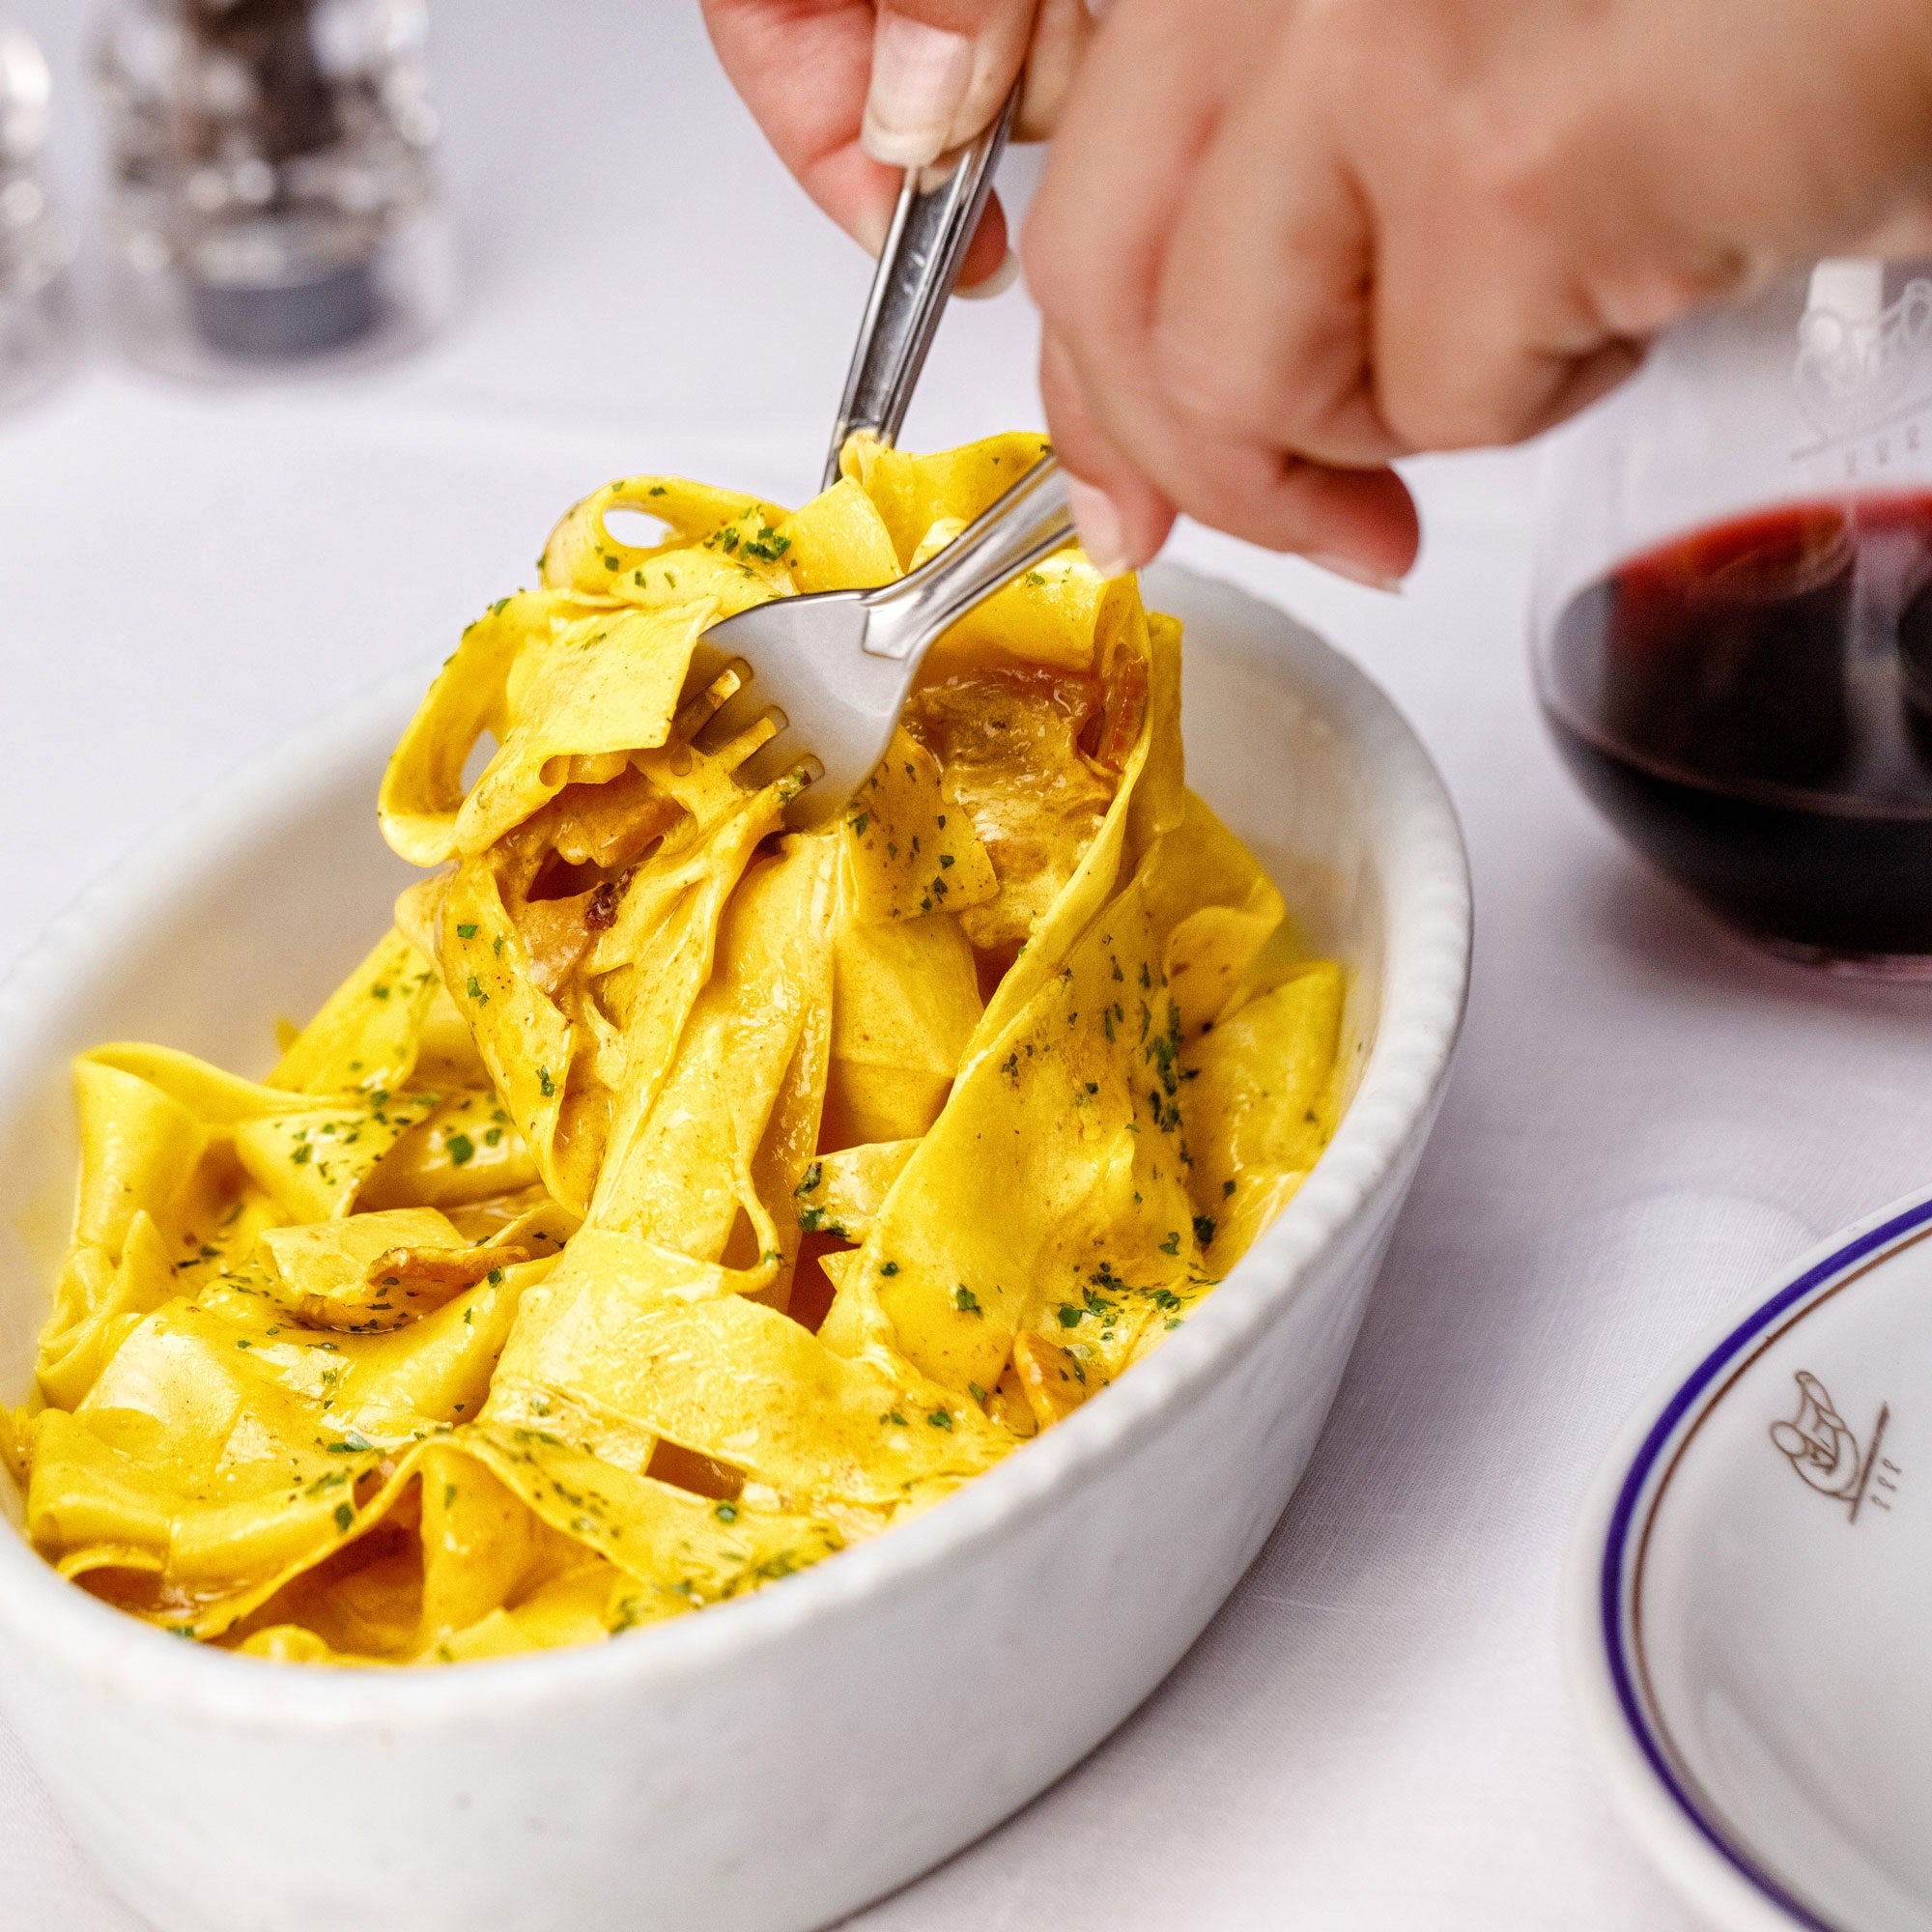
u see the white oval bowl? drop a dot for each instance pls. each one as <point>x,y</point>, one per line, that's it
<point>775,1762</point>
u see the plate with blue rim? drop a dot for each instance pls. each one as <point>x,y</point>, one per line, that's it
<point>1748,1612</point>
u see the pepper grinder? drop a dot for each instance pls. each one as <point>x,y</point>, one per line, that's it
<point>35,338</point>
<point>274,200</point>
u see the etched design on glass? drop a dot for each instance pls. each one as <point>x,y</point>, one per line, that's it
<point>1861,362</point>
<point>1821,1446</point>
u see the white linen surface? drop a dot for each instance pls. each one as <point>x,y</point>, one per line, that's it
<point>1646,1116</point>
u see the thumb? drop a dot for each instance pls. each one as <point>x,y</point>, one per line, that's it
<point>941,70</point>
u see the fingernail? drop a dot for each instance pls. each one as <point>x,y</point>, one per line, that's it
<point>920,76</point>
<point>1102,535</point>
<point>1098,10</point>
<point>1354,572</point>
<point>996,284</point>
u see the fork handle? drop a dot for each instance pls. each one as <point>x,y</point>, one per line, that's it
<point>918,266</point>
<point>1030,521</point>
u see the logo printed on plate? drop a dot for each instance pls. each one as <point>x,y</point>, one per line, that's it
<point>1821,1446</point>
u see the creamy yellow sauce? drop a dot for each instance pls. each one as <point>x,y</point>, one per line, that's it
<point>670,1201</point>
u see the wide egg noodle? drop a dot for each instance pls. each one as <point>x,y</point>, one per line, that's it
<point>671,1200</point>
<point>684,1173</point>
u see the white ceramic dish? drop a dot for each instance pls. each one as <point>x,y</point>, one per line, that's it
<point>775,1762</point>
<point>1747,1600</point>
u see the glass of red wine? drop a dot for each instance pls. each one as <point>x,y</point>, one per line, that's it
<point>1733,614</point>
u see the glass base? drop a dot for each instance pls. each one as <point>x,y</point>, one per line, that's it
<point>1907,968</point>
<point>334,317</point>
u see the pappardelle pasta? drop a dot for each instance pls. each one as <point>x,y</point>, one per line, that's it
<point>670,1201</point>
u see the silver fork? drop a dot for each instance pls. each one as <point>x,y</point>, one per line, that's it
<point>831,669</point>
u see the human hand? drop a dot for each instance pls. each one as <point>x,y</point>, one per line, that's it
<point>851,94</point>
<point>1281,242</point>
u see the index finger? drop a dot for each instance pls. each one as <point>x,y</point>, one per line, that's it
<point>804,70</point>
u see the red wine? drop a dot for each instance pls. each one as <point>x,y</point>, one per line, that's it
<point>1752,706</point>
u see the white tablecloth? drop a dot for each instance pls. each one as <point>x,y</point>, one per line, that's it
<point>1646,1116</point>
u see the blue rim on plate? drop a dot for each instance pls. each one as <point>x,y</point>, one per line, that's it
<point>1620,1564</point>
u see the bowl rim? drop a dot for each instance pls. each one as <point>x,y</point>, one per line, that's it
<point>1426,914</point>
<point>1686,1834</point>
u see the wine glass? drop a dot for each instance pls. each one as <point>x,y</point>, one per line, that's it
<point>1732,612</point>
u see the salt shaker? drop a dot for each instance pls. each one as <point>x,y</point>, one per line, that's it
<point>274,198</point>
<point>36,337</point>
